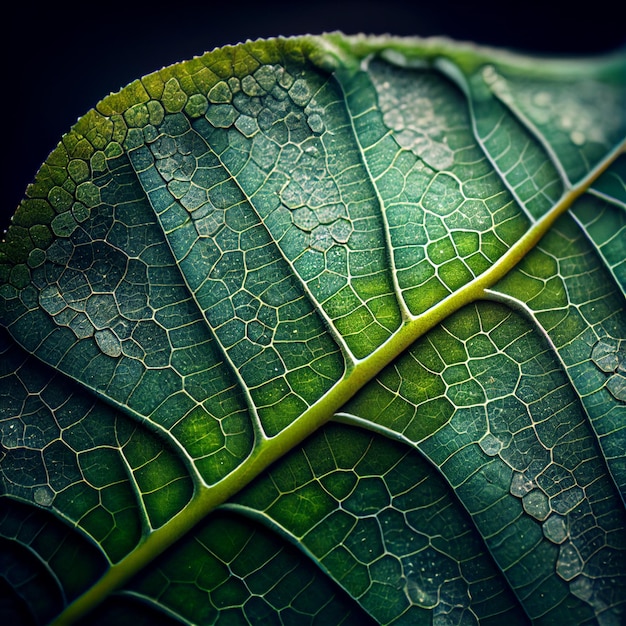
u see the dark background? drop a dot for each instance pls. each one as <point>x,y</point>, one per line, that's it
<point>59,62</point>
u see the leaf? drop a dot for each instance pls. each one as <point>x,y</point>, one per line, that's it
<point>323,330</point>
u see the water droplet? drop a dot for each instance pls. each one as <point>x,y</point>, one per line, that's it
<point>11,433</point>
<point>520,485</point>
<point>89,194</point>
<point>196,105</point>
<point>341,230</point>
<point>235,84</point>
<point>173,97</point>
<point>222,115</point>
<point>489,74</point>
<point>316,123</point>
<point>606,354</point>
<point>246,125</point>
<point>285,79</point>
<point>555,528</point>
<point>251,87</point>
<point>64,224</point>
<point>267,75</point>
<point>43,496</point>
<point>536,503</point>
<point>220,93</point>
<point>300,93</point>
<point>577,137</point>
<point>321,239</point>
<point>542,99</point>
<point>36,257</point>
<point>108,342</point>
<point>490,445</point>
<point>569,564</point>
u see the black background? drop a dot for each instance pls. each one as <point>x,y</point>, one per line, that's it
<point>59,62</point>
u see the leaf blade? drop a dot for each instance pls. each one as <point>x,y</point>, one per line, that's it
<point>184,232</point>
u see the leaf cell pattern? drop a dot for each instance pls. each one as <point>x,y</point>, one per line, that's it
<point>322,330</point>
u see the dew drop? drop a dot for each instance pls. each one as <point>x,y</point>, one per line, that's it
<point>43,496</point>
<point>11,433</point>
<point>542,99</point>
<point>251,87</point>
<point>536,503</point>
<point>609,356</point>
<point>36,257</point>
<point>266,76</point>
<point>222,115</point>
<point>246,125</point>
<point>555,528</point>
<point>321,239</point>
<point>196,106</point>
<point>300,93</point>
<point>315,122</point>
<point>604,354</point>
<point>108,342</point>
<point>520,485</point>
<point>341,230</point>
<point>489,74</point>
<point>490,445</point>
<point>577,137</point>
<point>569,564</point>
<point>80,212</point>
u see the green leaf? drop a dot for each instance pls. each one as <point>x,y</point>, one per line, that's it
<point>324,330</point>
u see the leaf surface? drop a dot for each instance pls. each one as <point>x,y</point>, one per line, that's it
<point>323,330</point>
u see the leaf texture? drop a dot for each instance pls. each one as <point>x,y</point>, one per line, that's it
<point>323,330</point>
